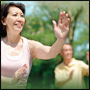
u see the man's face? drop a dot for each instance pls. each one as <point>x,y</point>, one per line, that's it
<point>67,52</point>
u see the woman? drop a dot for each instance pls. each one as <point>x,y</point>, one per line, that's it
<point>17,50</point>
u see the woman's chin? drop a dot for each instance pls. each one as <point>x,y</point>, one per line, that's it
<point>18,28</point>
<point>18,31</point>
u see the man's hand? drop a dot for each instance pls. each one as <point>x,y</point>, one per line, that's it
<point>61,30</point>
<point>71,74</point>
<point>87,56</point>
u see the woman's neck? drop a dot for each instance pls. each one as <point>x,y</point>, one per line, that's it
<point>11,39</point>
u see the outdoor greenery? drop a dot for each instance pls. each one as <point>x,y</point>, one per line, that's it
<point>39,27</point>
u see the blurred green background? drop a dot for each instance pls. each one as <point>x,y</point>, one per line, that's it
<point>39,27</point>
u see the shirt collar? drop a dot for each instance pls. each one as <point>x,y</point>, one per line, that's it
<point>71,63</point>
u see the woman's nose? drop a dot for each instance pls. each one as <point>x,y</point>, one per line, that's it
<point>19,18</point>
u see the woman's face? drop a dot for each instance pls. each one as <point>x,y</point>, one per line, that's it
<point>15,20</point>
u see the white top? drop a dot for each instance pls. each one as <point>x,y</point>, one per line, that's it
<point>10,64</point>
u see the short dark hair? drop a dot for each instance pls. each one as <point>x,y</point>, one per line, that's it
<point>68,44</point>
<point>4,12</point>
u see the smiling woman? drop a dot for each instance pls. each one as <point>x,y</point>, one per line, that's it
<point>17,51</point>
<point>10,11</point>
<point>15,20</point>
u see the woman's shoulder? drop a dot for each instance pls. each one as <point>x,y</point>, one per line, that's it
<point>1,40</point>
<point>26,39</point>
<point>33,43</point>
<point>29,42</point>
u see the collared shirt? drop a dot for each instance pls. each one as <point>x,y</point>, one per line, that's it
<point>77,80</point>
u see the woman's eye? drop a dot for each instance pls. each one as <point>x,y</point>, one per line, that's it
<point>14,14</point>
<point>22,15</point>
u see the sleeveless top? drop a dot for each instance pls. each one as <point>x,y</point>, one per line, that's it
<point>10,64</point>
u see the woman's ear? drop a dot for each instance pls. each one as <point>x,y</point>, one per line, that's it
<point>3,21</point>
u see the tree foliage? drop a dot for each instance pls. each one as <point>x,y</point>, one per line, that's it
<point>46,11</point>
<point>39,27</point>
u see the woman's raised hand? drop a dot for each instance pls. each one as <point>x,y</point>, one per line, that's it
<point>62,28</point>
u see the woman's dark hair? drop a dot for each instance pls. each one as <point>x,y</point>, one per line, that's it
<point>4,12</point>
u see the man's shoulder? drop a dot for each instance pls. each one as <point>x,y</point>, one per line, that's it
<point>78,61</point>
<point>59,65</point>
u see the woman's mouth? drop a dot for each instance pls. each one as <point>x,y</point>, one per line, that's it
<point>19,25</point>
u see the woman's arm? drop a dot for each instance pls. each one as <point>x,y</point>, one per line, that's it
<point>41,51</point>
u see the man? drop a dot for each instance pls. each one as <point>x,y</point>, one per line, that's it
<point>70,73</point>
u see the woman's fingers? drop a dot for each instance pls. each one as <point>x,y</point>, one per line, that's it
<point>60,18</point>
<point>19,72</point>
<point>22,69</point>
<point>54,24</point>
<point>63,17</point>
<point>25,65</point>
<point>63,22</point>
